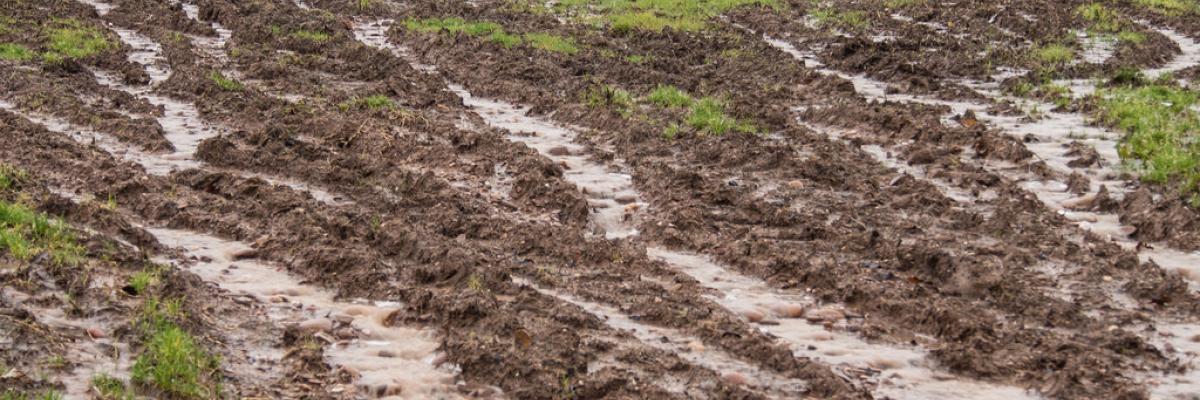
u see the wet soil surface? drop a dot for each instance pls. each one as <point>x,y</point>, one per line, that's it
<point>354,209</point>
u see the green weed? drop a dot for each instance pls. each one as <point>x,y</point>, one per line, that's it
<point>708,115</point>
<point>654,15</point>
<point>364,4</point>
<point>312,36</point>
<point>895,4</point>
<point>1102,18</point>
<point>15,52</point>
<point>76,41</point>
<point>601,96</point>
<point>1133,37</point>
<point>10,176</point>
<point>669,96</point>
<point>110,388</point>
<point>452,25</point>
<point>172,361</point>
<point>1170,7</point>
<point>1162,131</point>
<point>142,280</point>
<point>548,42</point>
<point>826,17</point>
<point>25,233</point>
<point>1053,54</point>
<point>372,102</point>
<point>227,84</point>
<point>14,395</point>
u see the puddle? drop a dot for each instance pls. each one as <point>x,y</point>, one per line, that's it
<point>101,355</point>
<point>687,347</point>
<point>904,373</point>
<point>1185,340</point>
<point>1189,57</point>
<point>374,33</point>
<point>393,361</point>
<point>213,46</point>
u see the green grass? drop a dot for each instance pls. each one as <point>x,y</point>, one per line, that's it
<point>554,43</point>
<point>1101,18</point>
<point>492,32</point>
<point>373,102</point>
<point>142,280</point>
<point>10,176</point>
<point>637,58</point>
<point>172,361</point>
<point>826,17</point>
<point>312,36</point>
<point>1162,132</point>
<point>14,395</point>
<point>669,96</point>
<point>1170,7</point>
<point>76,41</point>
<point>15,52</point>
<point>25,233</point>
<point>895,4</point>
<point>1132,37</point>
<point>1053,54</point>
<point>654,15</point>
<point>110,388</point>
<point>606,96</point>
<point>227,84</point>
<point>708,115</point>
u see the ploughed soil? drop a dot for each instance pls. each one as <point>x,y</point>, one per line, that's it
<point>429,207</point>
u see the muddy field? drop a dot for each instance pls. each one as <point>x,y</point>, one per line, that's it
<point>749,199</point>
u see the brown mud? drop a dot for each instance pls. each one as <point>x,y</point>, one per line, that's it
<point>906,227</point>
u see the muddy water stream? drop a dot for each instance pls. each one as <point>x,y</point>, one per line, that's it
<point>906,371</point>
<point>393,361</point>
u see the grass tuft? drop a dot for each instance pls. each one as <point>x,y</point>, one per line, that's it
<point>1170,7</point>
<point>1102,18</point>
<point>1162,129</point>
<point>15,52</point>
<point>607,96</point>
<point>708,115</point>
<point>109,388</point>
<point>1053,54</point>
<point>554,43</point>
<point>76,41</point>
<point>173,362</point>
<point>227,84</point>
<point>654,15</point>
<point>669,96</point>
<point>25,233</point>
<point>312,36</point>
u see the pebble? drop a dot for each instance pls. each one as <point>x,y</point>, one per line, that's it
<point>788,310</point>
<point>387,354</point>
<point>357,310</point>
<point>696,346</point>
<point>243,254</point>
<point>824,314</point>
<point>316,325</point>
<point>559,151</point>
<point>625,199</point>
<point>884,364</point>
<point>795,184</point>
<point>736,378</point>
<point>95,333</point>
<point>754,315</point>
<point>1080,202</point>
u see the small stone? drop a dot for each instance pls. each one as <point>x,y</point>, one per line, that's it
<point>559,151</point>
<point>1196,338</point>
<point>788,310</point>
<point>1080,202</point>
<point>695,346</point>
<point>824,314</point>
<point>632,208</point>
<point>343,318</point>
<point>316,325</point>
<point>387,354</point>
<point>1127,230</point>
<point>754,315</point>
<point>795,185</point>
<point>883,364</point>
<point>735,378</point>
<point>357,310</point>
<point>243,254</point>
<point>1107,278</point>
<point>95,333</point>
<point>626,199</point>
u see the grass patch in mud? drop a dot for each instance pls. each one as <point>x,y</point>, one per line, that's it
<point>669,96</point>
<point>74,40</point>
<point>25,233</point>
<point>14,395</point>
<point>173,362</point>
<point>1170,7</point>
<point>832,17</point>
<point>1162,132</point>
<point>373,102</point>
<point>15,52</point>
<point>312,36</point>
<point>109,388</point>
<point>494,33</point>
<point>653,15</point>
<point>1053,54</point>
<point>227,84</point>
<point>708,116</point>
